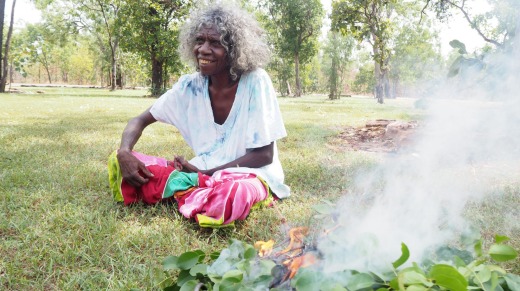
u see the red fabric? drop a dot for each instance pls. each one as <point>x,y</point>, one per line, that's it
<point>151,192</point>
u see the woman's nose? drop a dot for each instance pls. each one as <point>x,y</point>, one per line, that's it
<point>204,47</point>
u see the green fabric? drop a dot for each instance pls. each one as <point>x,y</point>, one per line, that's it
<point>179,181</point>
<point>206,221</point>
<point>267,201</point>
<point>115,178</point>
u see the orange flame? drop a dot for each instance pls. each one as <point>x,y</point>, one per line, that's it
<point>295,264</point>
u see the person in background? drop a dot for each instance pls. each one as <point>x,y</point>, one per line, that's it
<point>227,112</point>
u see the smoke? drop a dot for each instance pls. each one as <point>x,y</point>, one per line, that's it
<point>468,146</point>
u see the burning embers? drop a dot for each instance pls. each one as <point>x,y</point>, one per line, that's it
<point>297,254</point>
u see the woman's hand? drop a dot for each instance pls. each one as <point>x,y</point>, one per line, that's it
<point>134,171</point>
<point>182,164</point>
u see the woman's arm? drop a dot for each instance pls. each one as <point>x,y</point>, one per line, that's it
<point>254,158</point>
<point>134,171</point>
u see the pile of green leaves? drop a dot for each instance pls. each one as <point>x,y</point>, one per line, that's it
<point>234,268</point>
<point>239,268</point>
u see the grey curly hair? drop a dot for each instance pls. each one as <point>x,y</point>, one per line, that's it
<point>240,34</point>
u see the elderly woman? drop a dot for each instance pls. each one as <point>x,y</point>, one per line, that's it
<point>227,112</point>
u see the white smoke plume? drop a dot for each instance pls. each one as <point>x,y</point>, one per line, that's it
<point>468,145</point>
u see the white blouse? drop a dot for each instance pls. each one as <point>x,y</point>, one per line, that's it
<point>254,121</point>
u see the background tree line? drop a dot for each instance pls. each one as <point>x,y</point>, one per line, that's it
<point>381,47</point>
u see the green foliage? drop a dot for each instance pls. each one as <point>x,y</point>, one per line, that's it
<point>368,20</point>
<point>416,55</point>
<point>458,276</point>
<point>337,56</point>
<point>498,26</point>
<point>236,268</point>
<point>150,31</point>
<point>294,27</point>
<point>365,80</point>
<point>464,63</point>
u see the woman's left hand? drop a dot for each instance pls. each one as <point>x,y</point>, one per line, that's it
<point>185,166</point>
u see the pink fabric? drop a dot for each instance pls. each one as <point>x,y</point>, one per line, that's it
<point>224,195</point>
<point>150,160</point>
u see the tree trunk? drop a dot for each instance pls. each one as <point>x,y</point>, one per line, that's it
<point>2,15</point>
<point>378,73</point>
<point>298,89</point>
<point>157,75</point>
<point>333,83</point>
<point>113,64</point>
<point>5,56</point>
<point>288,87</point>
<point>46,66</point>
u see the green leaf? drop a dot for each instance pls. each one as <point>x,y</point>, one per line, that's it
<point>513,281</point>
<point>458,262</point>
<point>183,277</point>
<point>189,285</point>
<point>233,275</point>
<point>394,284</point>
<point>170,263</point>
<point>484,274</point>
<point>459,45</point>
<point>214,255</point>
<point>478,248</point>
<point>416,288</point>
<point>189,259</point>
<point>250,253</point>
<point>405,254</point>
<point>231,280</point>
<point>323,208</point>
<point>305,280</point>
<point>501,238</point>
<point>199,269</point>
<point>502,253</point>
<point>494,281</point>
<point>448,277</point>
<point>412,277</point>
<point>360,281</point>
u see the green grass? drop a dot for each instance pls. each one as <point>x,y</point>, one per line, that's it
<point>60,229</point>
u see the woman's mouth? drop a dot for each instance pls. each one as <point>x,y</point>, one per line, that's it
<point>204,62</point>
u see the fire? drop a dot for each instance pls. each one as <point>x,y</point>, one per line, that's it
<point>296,236</point>
<point>265,248</point>
<point>291,257</point>
<point>293,265</point>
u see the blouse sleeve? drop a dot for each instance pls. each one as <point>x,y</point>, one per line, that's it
<point>265,123</point>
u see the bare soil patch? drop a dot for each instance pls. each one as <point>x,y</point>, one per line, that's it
<point>381,135</point>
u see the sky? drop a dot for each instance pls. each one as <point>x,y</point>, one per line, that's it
<point>457,28</point>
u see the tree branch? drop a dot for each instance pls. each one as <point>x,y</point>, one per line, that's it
<point>473,24</point>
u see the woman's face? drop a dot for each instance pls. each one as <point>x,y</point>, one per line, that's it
<point>211,55</point>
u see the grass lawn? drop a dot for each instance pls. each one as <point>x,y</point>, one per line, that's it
<point>61,230</point>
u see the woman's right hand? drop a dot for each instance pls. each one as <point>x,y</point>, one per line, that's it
<point>134,171</point>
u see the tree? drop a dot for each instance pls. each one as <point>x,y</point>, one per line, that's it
<point>5,55</point>
<point>416,52</point>
<point>497,27</point>
<point>337,53</point>
<point>35,45</point>
<point>368,20</point>
<point>295,25</point>
<point>151,30</point>
<point>100,18</point>
<point>284,73</point>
